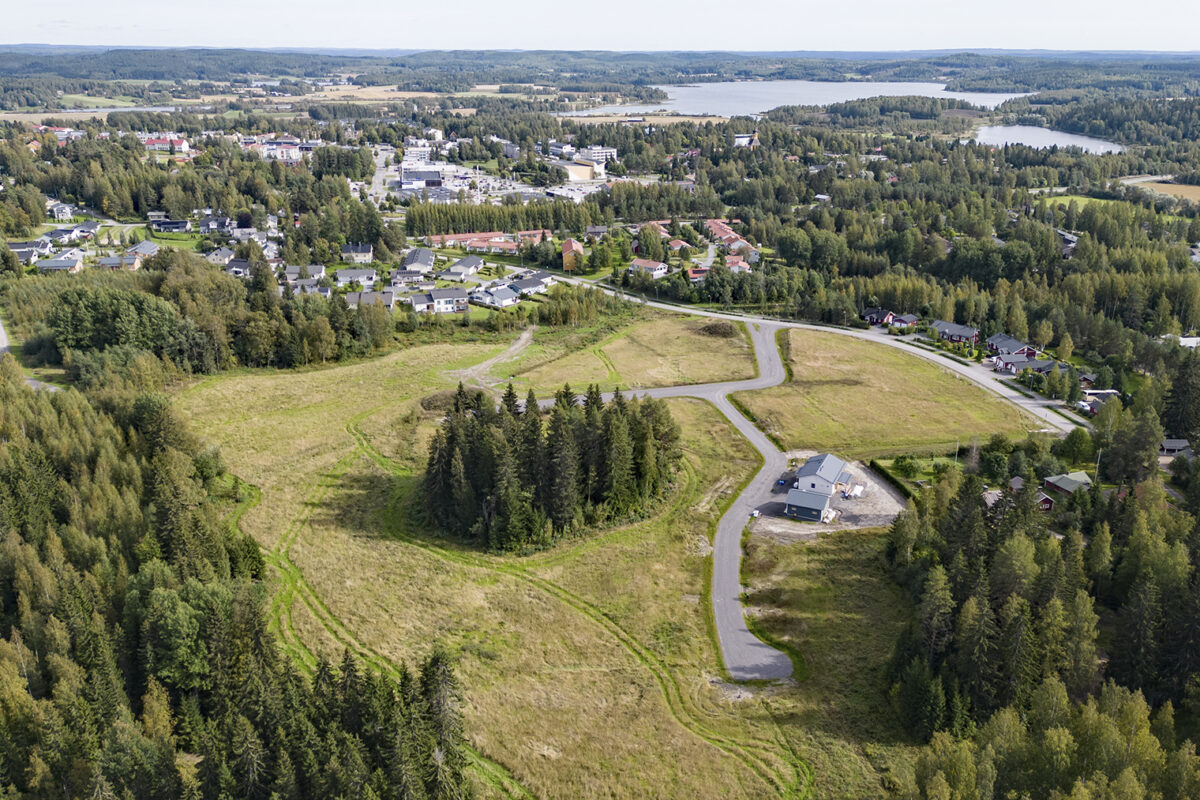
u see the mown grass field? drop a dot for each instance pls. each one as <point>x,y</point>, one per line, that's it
<point>862,399</point>
<point>658,350</point>
<point>588,670</point>
<point>833,601</point>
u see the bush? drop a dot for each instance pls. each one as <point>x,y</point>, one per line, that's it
<point>721,328</point>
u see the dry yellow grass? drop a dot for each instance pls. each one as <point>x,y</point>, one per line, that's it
<point>1185,191</point>
<point>862,399</point>
<point>563,659</point>
<point>665,350</point>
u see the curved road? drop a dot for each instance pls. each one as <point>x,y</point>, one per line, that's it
<point>746,657</point>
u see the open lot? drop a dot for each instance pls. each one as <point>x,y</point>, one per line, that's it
<point>861,400</point>
<point>588,670</point>
<point>832,600</point>
<point>653,350</point>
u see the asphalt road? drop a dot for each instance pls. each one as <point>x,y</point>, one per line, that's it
<point>746,657</point>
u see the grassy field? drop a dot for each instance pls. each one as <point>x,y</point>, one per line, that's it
<point>662,350</point>
<point>832,600</point>
<point>862,400</point>
<point>586,669</point>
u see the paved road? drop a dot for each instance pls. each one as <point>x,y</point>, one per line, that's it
<point>746,657</point>
<point>978,374</point>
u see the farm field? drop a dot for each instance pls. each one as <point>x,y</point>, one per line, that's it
<point>863,400</point>
<point>1183,190</point>
<point>661,350</point>
<point>588,670</point>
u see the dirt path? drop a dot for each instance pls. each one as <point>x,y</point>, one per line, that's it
<point>477,375</point>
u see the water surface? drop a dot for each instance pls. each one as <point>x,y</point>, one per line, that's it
<point>748,98</point>
<point>1033,136</point>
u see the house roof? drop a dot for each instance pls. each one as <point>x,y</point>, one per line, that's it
<point>58,263</point>
<point>572,246</point>
<point>647,263</point>
<point>954,329</point>
<point>1002,341</point>
<point>419,255</point>
<point>908,319</point>
<point>1176,444</point>
<point>146,248</point>
<point>1071,482</point>
<point>447,294</point>
<point>471,262</point>
<point>357,248</point>
<point>527,284</point>
<point>825,466</point>
<point>808,499</point>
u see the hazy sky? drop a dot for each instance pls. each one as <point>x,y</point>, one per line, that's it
<point>614,24</point>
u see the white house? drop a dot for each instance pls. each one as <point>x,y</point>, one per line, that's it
<point>364,277</point>
<point>646,266</point>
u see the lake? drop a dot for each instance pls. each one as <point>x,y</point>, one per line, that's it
<point>750,98</point>
<point>1033,136</point>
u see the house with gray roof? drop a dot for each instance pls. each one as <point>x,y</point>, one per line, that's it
<point>130,262</point>
<point>420,259</point>
<point>363,277</point>
<point>220,257</point>
<point>495,297</point>
<point>358,253</point>
<point>1007,345</point>
<point>385,299</point>
<point>70,264</point>
<point>440,301</point>
<point>1070,483</point>
<point>145,249</point>
<point>294,272</point>
<point>953,332</point>
<point>815,483</point>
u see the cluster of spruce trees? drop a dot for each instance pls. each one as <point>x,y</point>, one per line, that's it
<point>136,657</point>
<point>515,477</point>
<point>1011,607</point>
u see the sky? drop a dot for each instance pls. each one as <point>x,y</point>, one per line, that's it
<point>1168,25</point>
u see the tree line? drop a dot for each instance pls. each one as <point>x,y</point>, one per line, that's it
<point>136,655</point>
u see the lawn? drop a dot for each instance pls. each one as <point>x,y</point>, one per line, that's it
<point>656,350</point>
<point>832,600</point>
<point>586,669</point>
<point>863,399</point>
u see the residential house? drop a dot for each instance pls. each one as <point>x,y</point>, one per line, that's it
<point>238,268</point>
<point>129,262</point>
<point>698,274</point>
<point>147,249</point>
<point>64,263</point>
<point>815,483</point>
<point>595,231</point>
<point>358,253</point>
<point>420,259</point>
<point>220,257</point>
<point>155,216</point>
<point>1175,447</point>
<point>440,301</point>
<point>1016,364</point>
<point>363,277</point>
<point>408,277</point>
<point>495,297</point>
<point>1045,502</point>
<point>736,264</point>
<point>385,299</point>
<point>311,286</point>
<point>1070,483</point>
<point>86,230</point>
<point>172,226</point>
<point>211,224</point>
<point>905,321</point>
<point>676,245</point>
<point>468,265</point>
<point>295,272</point>
<point>572,255</point>
<point>953,332</point>
<point>1007,345</point>
<point>878,316</point>
<point>63,236</point>
<point>646,266</point>
<point>527,287</point>
<point>61,212</point>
